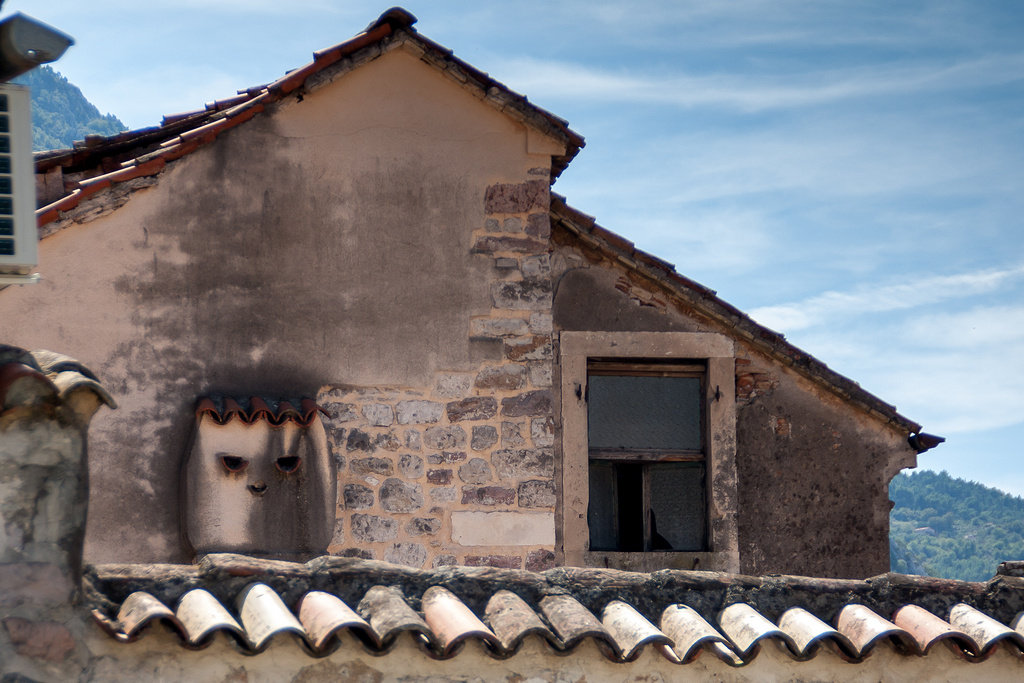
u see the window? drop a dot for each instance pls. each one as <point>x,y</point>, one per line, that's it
<point>645,435</point>
<point>648,450</point>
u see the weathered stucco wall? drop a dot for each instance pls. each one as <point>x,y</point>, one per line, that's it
<point>158,657</point>
<point>813,472</point>
<point>360,235</point>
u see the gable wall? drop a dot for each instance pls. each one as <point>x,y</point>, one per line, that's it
<point>812,472</point>
<point>344,246</point>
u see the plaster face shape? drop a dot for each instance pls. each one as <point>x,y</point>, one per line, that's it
<point>257,488</point>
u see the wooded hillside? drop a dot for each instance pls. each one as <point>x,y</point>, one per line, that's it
<point>951,528</point>
<point>60,112</point>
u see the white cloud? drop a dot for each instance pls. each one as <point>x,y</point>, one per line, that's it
<point>755,92</point>
<point>830,306</point>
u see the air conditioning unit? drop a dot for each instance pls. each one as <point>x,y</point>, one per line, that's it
<point>18,233</point>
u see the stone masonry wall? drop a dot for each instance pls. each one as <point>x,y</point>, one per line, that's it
<point>462,472</point>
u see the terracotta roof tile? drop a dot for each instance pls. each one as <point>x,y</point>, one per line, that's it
<point>277,411</point>
<point>261,601</point>
<point>28,378</point>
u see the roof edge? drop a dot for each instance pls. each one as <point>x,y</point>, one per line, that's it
<point>706,301</point>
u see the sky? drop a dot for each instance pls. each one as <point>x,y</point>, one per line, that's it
<point>847,172</point>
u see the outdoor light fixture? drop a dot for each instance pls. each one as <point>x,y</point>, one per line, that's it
<point>25,43</point>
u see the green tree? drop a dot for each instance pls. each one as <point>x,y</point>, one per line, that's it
<point>60,112</point>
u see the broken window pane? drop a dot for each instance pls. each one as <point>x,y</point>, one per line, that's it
<point>677,505</point>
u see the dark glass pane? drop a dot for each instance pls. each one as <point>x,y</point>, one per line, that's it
<point>5,124</point>
<point>629,478</point>
<point>6,246</point>
<point>6,206</point>
<point>5,144</point>
<point>602,512</point>
<point>6,226</point>
<point>616,511</point>
<point>5,164</point>
<point>678,508</point>
<point>644,412</point>
<point>5,185</point>
<point>3,102</point>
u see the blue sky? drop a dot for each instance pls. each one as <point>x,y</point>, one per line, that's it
<point>849,173</point>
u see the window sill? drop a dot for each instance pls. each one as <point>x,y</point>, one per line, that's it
<point>653,561</point>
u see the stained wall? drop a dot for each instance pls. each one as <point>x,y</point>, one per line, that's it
<point>378,241</point>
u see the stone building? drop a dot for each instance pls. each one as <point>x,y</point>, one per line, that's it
<point>504,382</point>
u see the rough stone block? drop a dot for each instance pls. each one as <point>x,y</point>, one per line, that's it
<point>490,244</point>
<point>522,463</point>
<point>419,412</point>
<point>541,323</point>
<point>446,457</point>
<point>439,477</point>
<point>443,494</point>
<point>371,466</point>
<point>357,497</point>
<point>444,437</point>
<point>537,266</point>
<point>472,408</point>
<point>496,327</point>
<point>510,528</point>
<point>379,414</point>
<point>476,471</point>
<point>539,225</point>
<point>409,554</point>
<point>413,440</point>
<point>501,377</point>
<point>540,560</point>
<point>529,294</point>
<point>492,225</point>
<point>499,561</point>
<point>542,431</point>
<point>389,441</point>
<point>361,553</point>
<point>533,195</point>
<point>540,373</point>
<point>487,495</point>
<point>423,526</point>
<point>358,441</point>
<point>410,466</point>
<point>399,496</point>
<point>341,412</point>
<point>537,347</point>
<point>373,529</point>
<point>484,436</point>
<point>445,561</point>
<point>512,434</point>
<point>512,224</point>
<point>532,403</point>
<point>537,494</point>
<point>506,263</point>
<point>454,384</point>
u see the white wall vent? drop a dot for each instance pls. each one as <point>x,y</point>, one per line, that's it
<point>18,233</point>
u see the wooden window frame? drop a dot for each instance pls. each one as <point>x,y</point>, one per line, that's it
<point>644,457</point>
<point>717,352</point>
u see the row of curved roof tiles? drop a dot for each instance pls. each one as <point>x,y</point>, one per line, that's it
<point>621,632</point>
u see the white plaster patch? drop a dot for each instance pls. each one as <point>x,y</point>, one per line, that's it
<point>503,528</point>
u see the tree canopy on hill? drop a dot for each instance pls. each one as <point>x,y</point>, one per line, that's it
<point>60,112</point>
<point>951,528</point>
